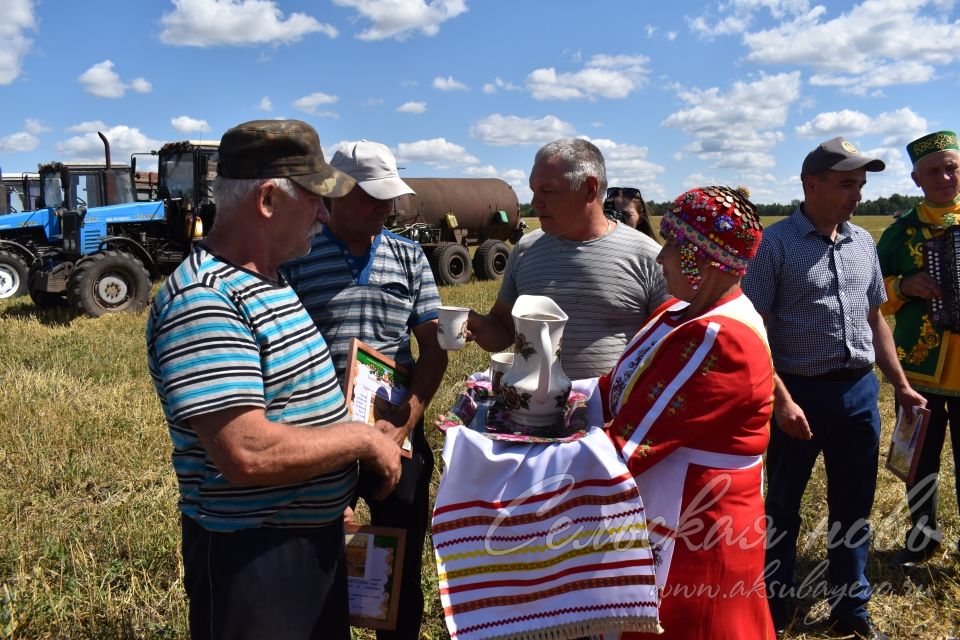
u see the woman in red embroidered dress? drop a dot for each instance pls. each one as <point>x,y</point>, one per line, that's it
<point>689,406</point>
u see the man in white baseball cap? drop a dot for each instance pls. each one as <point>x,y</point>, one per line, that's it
<point>361,281</point>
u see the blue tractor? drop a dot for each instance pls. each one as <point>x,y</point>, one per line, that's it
<point>31,227</point>
<point>105,256</point>
<point>22,193</point>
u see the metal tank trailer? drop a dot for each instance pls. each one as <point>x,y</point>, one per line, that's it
<point>448,215</point>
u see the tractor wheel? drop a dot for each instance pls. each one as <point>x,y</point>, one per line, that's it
<point>451,263</point>
<point>13,275</point>
<point>108,282</point>
<point>490,261</point>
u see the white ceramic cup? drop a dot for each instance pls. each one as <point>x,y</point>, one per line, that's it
<point>452,327</point>
<point>500,363</point>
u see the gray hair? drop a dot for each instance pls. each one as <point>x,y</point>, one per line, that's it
<point>231,193</point>
<point>579,160</point>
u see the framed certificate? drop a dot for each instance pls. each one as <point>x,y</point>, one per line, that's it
<point>374,557</point>
<point>375,386</point>
<point>907,442</point>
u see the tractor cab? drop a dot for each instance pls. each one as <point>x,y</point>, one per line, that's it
<point>71,185</point>
<point>21,193</point>
<point>186,171</point>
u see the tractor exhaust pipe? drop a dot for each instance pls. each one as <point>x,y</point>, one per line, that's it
<point>106,148</point>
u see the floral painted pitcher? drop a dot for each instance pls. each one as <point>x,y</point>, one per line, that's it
<point>535,389</point>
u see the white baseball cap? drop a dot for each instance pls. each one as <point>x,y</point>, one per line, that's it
<point>374,168</point>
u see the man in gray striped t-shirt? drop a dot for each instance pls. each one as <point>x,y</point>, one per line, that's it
<point>603,274</point>
<point>265,457</point>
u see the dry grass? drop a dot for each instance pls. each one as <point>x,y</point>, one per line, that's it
<point>89,537</point>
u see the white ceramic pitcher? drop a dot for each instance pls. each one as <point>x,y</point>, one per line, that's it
<point>536,389</point>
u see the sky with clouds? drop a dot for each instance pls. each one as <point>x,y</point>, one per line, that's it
<point>675,94</point>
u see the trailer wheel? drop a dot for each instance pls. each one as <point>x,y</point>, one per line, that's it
<point>109,282</point>
<point>13,275</point>
<point>490,261</point>
<point>451,263</point>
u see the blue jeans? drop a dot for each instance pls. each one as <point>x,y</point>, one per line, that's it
<point>845,422</point>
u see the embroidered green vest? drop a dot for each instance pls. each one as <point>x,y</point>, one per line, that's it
<point>919,344</point>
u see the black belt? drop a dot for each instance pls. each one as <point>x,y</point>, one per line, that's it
<point>844,375</point>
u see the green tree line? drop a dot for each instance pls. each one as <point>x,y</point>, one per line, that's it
<point>884,206</point>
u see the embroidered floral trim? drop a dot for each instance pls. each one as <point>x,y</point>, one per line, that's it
<point>688,350</point>
<point>644,449</point>
<point>929,339</point>
<point>708,364</point>
<point>654,391</point>
<point>678,404</point>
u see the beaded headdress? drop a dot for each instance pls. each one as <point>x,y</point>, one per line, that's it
<point>718,222</point>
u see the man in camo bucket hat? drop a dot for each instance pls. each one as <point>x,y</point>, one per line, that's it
<point>263,449</point>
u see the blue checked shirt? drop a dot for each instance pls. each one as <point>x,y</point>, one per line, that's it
<point>815,294</point>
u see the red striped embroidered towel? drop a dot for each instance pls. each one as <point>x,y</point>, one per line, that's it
<point>541,540</point>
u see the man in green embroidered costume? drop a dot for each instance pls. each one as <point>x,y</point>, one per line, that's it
<point>930,356</point>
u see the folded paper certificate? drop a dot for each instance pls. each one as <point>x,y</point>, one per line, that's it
<point>376,386</point>
<point>906,443</point>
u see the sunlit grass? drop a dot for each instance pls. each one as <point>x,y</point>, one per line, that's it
<point>89,533</point>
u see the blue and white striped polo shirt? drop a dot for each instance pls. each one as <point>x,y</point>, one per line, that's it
<point>378,297</point>
<point>219,336</point>
<point>815,294</point>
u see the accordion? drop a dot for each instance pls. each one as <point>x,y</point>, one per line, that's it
<point>942,257</point>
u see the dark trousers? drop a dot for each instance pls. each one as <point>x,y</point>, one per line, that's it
<point>266,582</point>
<point>922,494</point>
<point>845,422</point>
<point>415,518</point>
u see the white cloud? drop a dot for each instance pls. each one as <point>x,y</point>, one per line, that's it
<point>436,152</point>
<point>738,15</point>
<point>504,131</point>
<point>448,84</point>
<point>88,147</point>
<point>627,166</point>
<point>603,76</point>
<point>18,18</point>
<point>498,84</point>
<point>34,126</point>
<point>671,35</point>
<point>265,104</point>
<point>877,43</point>
<point>486,171</point>
<point>412,107</point>
<point>516,178</point>
<point>102,81</point>
<point>399,19</point>
<point>309,104</point>
<point>737,129</point>
<point>141,85</point>
<point>210,23</point>
<point>88,126</point>
<point>20,141</point>
<point>188,125</point>
<point>650,30</point>
<point>899,127</point>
